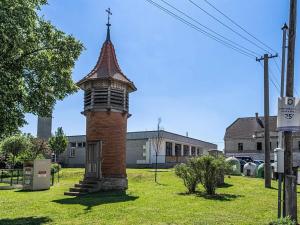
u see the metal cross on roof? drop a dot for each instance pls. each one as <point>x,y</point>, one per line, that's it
<point>108,16</point>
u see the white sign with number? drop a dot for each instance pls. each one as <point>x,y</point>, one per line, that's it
<point>288,118</point>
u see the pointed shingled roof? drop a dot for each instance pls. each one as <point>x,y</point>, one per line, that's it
<point>107,66</point>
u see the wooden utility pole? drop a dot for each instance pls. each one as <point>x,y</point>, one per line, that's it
<point>266,58</point>
<point>290,185</point>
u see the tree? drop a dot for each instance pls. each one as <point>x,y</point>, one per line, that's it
<point>38,149</point>
<point>11,147</point>
<point>36,61</point>
<point>157,142</point>
<point>59,142</point>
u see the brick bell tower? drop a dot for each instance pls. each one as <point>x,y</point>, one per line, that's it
<point>106,108</point>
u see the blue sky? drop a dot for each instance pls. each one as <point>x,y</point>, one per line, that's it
<point>193,83</point>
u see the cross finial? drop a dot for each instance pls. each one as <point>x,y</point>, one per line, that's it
<point>108,16</point>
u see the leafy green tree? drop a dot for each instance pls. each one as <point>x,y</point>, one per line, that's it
<point>59,142</point>
<point>38,149</point>
<point>36,61</point>
<point>11,147</point>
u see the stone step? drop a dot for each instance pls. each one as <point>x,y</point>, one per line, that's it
<point>84,185</point>
<point>88,182</point>
<point>79,189</point>
<point>74,193</point>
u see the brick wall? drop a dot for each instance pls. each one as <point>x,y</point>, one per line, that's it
<point>110,128</point>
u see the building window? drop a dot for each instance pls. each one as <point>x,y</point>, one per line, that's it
<point>186,150</point>
<point>177,149</point>
<point>299,145</point>
<point>73,144</point>
<point>83,144</point>
<point>72,152</point>
<point>259,146</point>
<point>240,147</point>
<point>193,150</point>
<point>270,145</point>
<point>79,144</point>
<point>168,148</point>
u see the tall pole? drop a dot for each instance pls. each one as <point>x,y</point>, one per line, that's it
<point>290,186</point>
<point>280,134</point>
<point>267,126</point>
<point>266,58</point>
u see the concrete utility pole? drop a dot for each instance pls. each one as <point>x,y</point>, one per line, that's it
<point>290,179</point>
<point>266,58</point>
<point>280,134</point>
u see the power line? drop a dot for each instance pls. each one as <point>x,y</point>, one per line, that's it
<point>196,21</point>
<point>237,49</point>
<point>234,31</point>
<point>235,23</point>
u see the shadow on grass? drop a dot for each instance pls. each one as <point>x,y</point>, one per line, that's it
<point>96,199</point>
<point>25,220</point>
<point>159,171</point>
<point>225,185</point>
<point>218,197</point>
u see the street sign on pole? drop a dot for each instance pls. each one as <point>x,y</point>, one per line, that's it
<point>288,114</point>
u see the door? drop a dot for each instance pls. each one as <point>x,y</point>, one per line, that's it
<point>93,159</point>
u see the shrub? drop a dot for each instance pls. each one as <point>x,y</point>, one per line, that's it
<point>55,167</point>
<point>284,221</point>
<point>206,170</point>
<point>209,171</point>
<point>188,175</point>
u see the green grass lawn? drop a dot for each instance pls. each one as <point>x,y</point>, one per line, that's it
<point>241,201</point>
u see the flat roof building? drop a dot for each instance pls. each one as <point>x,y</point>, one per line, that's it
<point>141,149</point>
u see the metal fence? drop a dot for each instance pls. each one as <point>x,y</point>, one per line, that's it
<point>15,176</point>
<point>11,176</point>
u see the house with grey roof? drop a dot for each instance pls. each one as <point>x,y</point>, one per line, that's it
<point>141,149</point>
<point>245,137</point>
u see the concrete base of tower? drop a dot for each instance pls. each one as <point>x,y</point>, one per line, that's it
<point>113,184</point>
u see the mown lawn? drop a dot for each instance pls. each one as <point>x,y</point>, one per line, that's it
<point>242,201</point>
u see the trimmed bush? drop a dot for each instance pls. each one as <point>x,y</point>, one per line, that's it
<point>206,170</point>
<point>188,175</point>
<point>210,170</point>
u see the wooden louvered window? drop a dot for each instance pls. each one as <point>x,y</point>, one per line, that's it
<point>117,98</point>
<point>101,96</point>
<point>87,98</point>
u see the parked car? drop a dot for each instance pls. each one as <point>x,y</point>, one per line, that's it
<point>245,158</point>
<point>258,162</point>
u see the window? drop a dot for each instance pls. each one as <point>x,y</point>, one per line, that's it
<point>72,152</point>
<point>299,145</point>
<point>186,150</point>
<point>178,149</point>
<point>259,146</point>
<point>270,145</point>
<point>168,149</point>
<point>83,144</point>
<point>240,146</point>
<point>73,144</point>
<point>193,150</point>
<point>79,144</point>
<point>198,151</point>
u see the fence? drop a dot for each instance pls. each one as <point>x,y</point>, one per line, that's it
<point>15,176</point>
<point>11,176</point>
